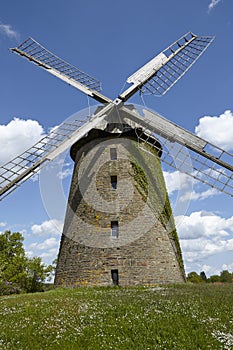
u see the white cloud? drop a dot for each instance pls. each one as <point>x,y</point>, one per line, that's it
<point>197,249</point>
<point>187,187</point>
<point>212,4</point>
<point>49,243</point>
<point>66,172</point>
<point>7,30</point>
<point>47,249</point>
<point>194,196</point>
<point>49,227</point>
<point>228,267</point>
<point>17,136</point>
<point>203,234</point>
<point>204,224</point>
<point>176,181</point>
<point>218,130</point>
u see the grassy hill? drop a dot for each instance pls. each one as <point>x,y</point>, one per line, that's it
<point>172,317</point>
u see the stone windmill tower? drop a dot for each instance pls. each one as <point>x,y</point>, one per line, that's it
<point>119,227</point>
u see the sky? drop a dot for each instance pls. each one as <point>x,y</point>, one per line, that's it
<point>110,40</point>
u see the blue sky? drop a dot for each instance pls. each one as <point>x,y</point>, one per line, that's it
<point>110,40</point>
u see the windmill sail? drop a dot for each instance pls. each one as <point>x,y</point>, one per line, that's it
<point>19,169</point>
<point>36,53</point>
<point>209,163</point>
<point>164,70</point>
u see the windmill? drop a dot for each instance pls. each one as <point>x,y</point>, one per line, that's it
<point>117,151</point>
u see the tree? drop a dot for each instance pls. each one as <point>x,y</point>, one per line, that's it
<point>37,273</point>
<point>17,271</point>
<point>194,277</point>
<point>226,276</point>
<point>203,276</point>
<point>214,279</point>
<point>12,257</point>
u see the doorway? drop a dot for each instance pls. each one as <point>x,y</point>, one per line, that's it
<point>115,277</point>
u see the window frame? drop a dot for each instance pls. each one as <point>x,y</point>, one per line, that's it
<point>113,153</point>
<point>115,229</point>
<point>113,179</point>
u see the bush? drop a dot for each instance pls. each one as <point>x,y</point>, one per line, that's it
<point>7,288</point>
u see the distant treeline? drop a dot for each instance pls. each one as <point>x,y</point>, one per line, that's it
<point>224,277</point>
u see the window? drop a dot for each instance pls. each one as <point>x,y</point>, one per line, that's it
<point>115,229</point>
<point>113,153</point>
<point>115,277</point>
<point>114,182</point>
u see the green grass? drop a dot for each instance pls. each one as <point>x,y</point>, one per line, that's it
<point>174,317</point>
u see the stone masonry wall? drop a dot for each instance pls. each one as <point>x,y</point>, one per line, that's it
<point>146,250</point>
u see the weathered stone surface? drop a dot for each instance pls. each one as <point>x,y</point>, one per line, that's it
<point>146,250</point>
